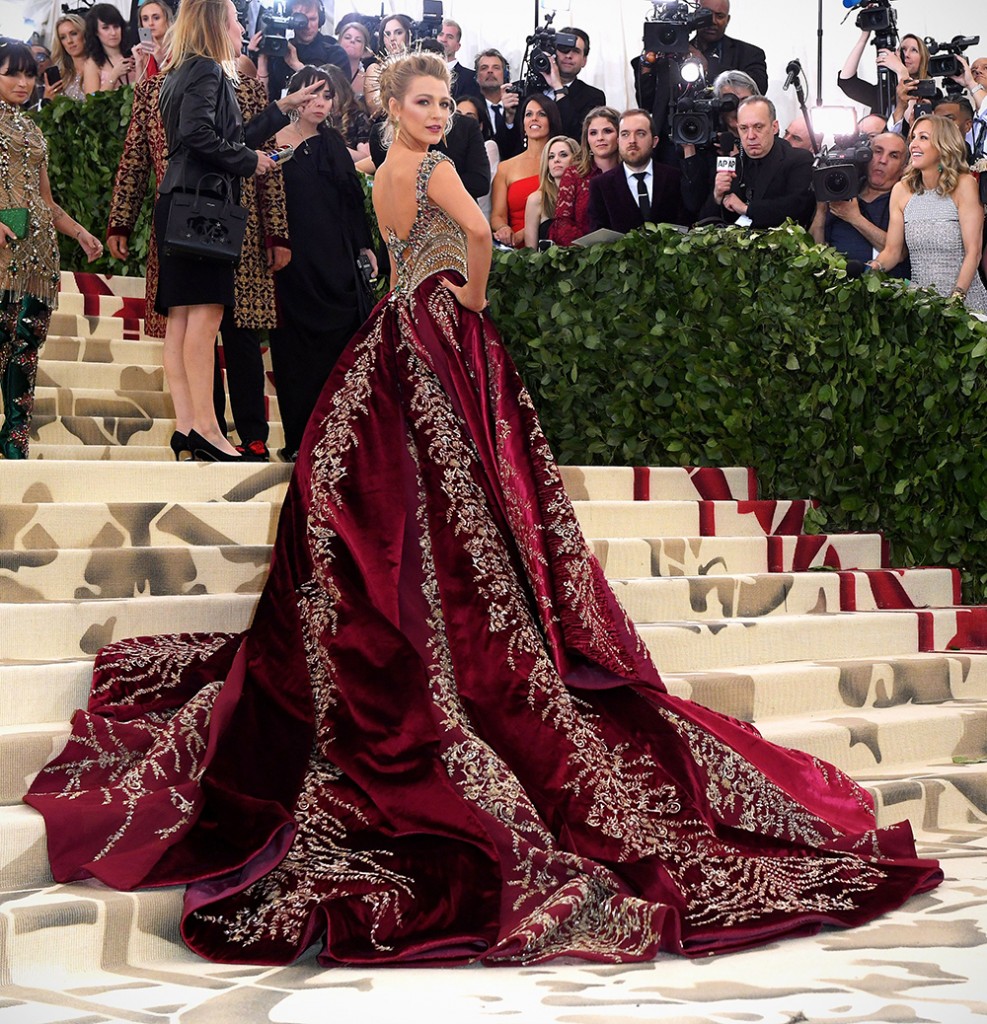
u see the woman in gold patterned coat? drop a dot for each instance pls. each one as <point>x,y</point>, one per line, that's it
<point>265,251</point>
<point>28,255</point>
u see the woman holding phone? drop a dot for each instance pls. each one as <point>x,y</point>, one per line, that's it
<point>150,53</point>
<point>110,64</point>
<point>68,55</point>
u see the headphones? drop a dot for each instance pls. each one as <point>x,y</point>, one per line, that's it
<point>292,4</point>
<point>503,60</point>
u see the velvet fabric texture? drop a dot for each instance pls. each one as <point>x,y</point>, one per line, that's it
<point>442,740</point>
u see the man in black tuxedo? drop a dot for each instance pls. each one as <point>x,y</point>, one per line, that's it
<point>772,182</point>
<point>638,189</point>
<point>492,72</point>
<point>575,98</point>
<point>463,79</point>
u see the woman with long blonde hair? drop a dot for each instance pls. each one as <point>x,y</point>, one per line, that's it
<point>204,133</point>
<point>539,212</point>
<point>936,212</point>
<point>157,16</point>
<point>68,53</point>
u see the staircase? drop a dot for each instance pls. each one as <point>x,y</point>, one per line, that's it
<point>104,536</point>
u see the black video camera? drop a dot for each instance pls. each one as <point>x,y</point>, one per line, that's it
<point>431,23</point>
<point>540,47</point>
<point>839,170</point>
<point>274,25</point>
<point>672,25</point>
<point>696,121</point>
<point>943,61</point>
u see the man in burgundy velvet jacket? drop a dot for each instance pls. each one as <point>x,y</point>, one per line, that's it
<point>639,188</point>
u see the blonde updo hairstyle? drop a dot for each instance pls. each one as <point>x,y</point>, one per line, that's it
<point>396,78</point>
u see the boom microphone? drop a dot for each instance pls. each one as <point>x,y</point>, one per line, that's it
<point>794,69</point>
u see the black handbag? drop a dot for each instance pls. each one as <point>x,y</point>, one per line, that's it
<point>205,227</point>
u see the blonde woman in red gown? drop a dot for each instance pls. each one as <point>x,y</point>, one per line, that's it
<point>518,177</point>
<point>441,740</point>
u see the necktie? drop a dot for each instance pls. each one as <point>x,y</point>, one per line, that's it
<point>498,116</point>
<point>642,195</point>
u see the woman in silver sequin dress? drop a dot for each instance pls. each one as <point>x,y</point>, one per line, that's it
<point>936,212</point>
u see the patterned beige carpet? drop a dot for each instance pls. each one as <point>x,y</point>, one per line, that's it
<point>813,638</point>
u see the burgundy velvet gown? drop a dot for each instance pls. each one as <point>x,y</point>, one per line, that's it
<point>441,740</point>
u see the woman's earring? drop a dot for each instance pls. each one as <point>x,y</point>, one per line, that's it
<point>293,115</point>
<point>397,130</point>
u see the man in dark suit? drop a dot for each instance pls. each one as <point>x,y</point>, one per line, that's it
<point>714,49</point>
<point>463,78</point>
<point>638,189</point>
<point>772,182</point>
<point>575,98</point>
<point>492,72</point>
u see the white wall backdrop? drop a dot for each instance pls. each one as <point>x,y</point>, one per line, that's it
<point>784,28</point>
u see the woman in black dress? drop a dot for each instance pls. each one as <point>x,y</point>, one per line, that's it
<point>319,303</point>
<point>204,133</point>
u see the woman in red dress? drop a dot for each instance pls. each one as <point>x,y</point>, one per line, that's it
<point>441,739</point>
<point>517,177</point>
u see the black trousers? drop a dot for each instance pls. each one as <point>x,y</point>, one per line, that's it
<point>245,380</point>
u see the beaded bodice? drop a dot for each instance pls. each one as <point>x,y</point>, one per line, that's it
<point>28,265</point>
<point>435,243</point>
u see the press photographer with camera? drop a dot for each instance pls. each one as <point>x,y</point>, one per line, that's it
<point>308,46</point>
<point>492,72</point>
<point>772,181</point>
<point>858,227</point>
<point>574,97</point>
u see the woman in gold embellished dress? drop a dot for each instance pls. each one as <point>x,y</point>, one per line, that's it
<point>28,250</point>
<point>441,740</point>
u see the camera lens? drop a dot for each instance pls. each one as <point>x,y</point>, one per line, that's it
<point>692,129</point>
<point>837,182</point>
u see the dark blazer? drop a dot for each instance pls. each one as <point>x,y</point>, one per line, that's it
<point>612,206</point>
<point>653,88</point>
<point>464,147</point>
<point>203,128</point>
<point>736,55</point>
<point>464,82</point>
<point>579,100</point>
<point>782,188</point>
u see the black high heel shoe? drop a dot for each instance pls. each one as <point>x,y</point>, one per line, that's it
<point>201,449</point>
<point>179,444</point>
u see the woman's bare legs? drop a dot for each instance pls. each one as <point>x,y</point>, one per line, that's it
<point>189,340</point>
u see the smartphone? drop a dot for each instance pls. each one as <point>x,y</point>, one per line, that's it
<point>52,74</point>
<point>145,36</point>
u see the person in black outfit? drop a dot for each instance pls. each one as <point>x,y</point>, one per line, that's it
<point>492,75</point>
<point>463,78</point>
<point>773,181</point>
<point>205,136</point>
<point>575,99</point>
<point>308,47</point>
<point>320,305</point>
<point>716,51</point>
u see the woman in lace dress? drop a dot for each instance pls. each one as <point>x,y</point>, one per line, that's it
<point>937,214</point>
<point>441,739</point>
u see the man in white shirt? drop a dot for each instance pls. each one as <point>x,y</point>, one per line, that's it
<point>491,74</point>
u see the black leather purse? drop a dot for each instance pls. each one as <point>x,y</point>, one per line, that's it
<point>205,227</point>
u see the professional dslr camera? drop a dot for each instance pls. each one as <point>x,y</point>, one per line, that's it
<point>274,25</point>
<point>671,26</point>
<point>943,62</point>
<point>540,47</point>
<point>431,23</point>
<point>696,121</point>
<point>840,169</point>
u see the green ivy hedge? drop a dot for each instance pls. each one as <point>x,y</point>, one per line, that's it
<point>714,348</point>
<point>722,347</point>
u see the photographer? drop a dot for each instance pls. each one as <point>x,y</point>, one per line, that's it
<point>772,182</point>
<point>958,110</point>
<point>575,99</point>
<point>308,47</point>
<point>502,103</point>
<point>858,227</point>
<point>910,61</point>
